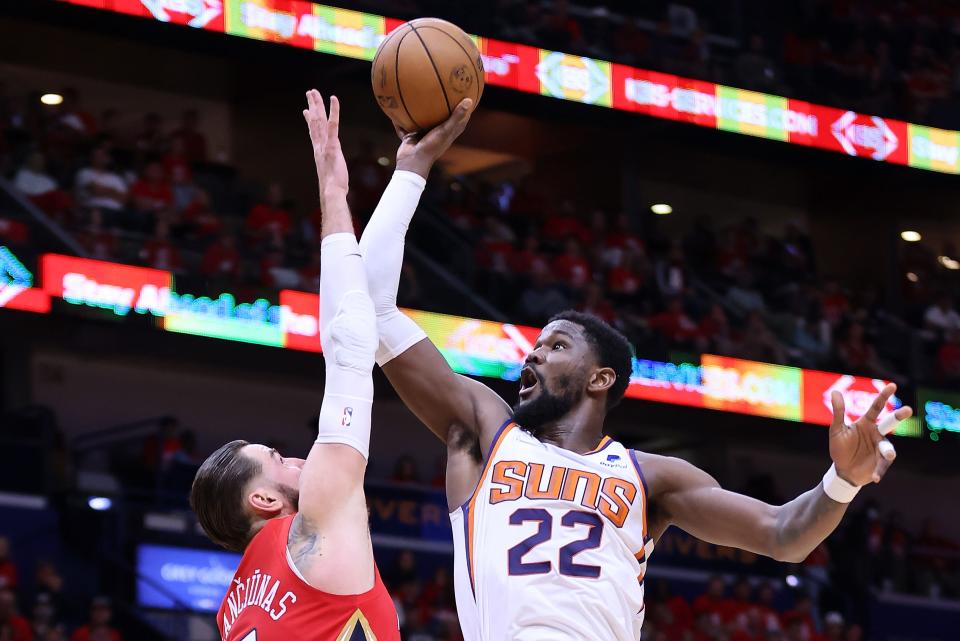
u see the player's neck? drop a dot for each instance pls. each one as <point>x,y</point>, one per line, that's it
<point>579,431</point>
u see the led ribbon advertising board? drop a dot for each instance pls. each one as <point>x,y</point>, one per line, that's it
<point>470,346</point>
<point>353,34</point>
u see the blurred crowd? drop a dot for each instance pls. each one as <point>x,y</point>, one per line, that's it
<point>889,57</point>
<point>49,611</point>
<point>729,287</point>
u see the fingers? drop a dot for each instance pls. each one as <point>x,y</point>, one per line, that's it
<point>883,464</point>
<point>886,450</point>
<point>839,412</point>
<point>889,424</point>
<point>880,402</point>
<point>333,126</point>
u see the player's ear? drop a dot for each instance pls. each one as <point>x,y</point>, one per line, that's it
<point>601,380</point>
<point>265,502</point>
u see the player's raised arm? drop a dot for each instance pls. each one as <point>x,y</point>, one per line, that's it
<point>416,369</point>
<point>685,496</point>
<point>330,539</point>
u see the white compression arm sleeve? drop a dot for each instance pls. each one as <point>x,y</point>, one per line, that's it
<point>348,332</point>
<point>382,249</point>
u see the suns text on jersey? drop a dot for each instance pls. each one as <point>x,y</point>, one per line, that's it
<point>257,590</point>
<point>612,496</point>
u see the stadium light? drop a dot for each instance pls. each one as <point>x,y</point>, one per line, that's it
<point>912,277</point>
<point>948,262</point>
<point>52,99</point>
<point>910,236</point>
<point>383,161</point>
<point>792,580</point>
<point>661,209</point>
<point>100,503</point>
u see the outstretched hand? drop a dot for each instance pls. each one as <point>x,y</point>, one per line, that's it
<point>861,453</point>
<point>418,151</point>
<point>325,136</point>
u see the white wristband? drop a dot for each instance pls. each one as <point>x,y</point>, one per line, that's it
<point>838,489</point>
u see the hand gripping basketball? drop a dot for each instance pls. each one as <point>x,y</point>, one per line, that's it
<point>861,452</point>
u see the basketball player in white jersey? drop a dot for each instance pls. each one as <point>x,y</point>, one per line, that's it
<point>553,521</point>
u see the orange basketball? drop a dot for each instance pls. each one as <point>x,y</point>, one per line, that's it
<point>422,71</point>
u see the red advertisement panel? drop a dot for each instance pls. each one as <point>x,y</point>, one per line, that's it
<point>300,320</point>
<point>25,299</point>
<point>97,283</point>
<point>501,63</point>
<point>858,392</point>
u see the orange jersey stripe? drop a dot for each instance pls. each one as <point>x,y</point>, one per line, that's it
<point>476,492</point>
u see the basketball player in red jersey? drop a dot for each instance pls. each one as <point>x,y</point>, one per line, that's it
<point>578,370</point>
<point>308,571</point>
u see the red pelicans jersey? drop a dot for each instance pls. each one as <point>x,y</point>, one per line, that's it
<point>269,600</point>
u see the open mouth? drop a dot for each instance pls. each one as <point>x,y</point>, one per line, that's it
<point>528,381</point>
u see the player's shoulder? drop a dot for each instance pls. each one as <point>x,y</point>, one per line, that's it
<point>665,473</point>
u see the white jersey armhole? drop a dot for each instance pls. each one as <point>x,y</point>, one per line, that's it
<point>293,566</point>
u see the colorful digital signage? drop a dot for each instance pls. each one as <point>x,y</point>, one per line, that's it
<point>939,412</point>
<point>353,34</point>
<point>471,346</point>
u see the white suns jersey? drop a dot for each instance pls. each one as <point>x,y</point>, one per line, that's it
<point>552,544</point>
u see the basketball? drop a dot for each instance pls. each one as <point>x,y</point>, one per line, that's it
<point>422,71</point>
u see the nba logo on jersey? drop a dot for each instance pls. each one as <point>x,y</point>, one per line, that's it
<point>347,417</point>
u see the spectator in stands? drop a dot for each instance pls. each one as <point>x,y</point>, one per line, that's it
<point>542,299</point>
<point>948,358</point>
<point>199,221</point>
<point>528,258</point>
<point>151,194</point>
<point>98,628</point>
<point>571,267</point>
<point>150,141</point>
<point>13,627</point>
<point>857,354</point>
<point>834,302</point>
<point>673,277</point>
<point>32,179</point>
<point>75,117</point>
<point>100,186</point>
<point>271,218</point>
<point>310,273</point>
<point>798,622</point>
<point>560,31</point>
<point>941,316</point>
<point>405,471</point>
<point>714,332</point>
<point>8,571</point>
<point>759,343</point>
<point>755,69</point>
<point>629,275</point>
<point>49,583</point>
<point>744,295</point>
<point>100,242</point>
<point>833,626</point>
<point>712,603</point>
<point>222,261</point>
<point>193,142</point>
<point>674,324</point>
<point>184,192</point>
<point>176,161</point>
<point>404,570</point>
<point>160,252</point>
<point>43,621</point>
<point>596,304</point>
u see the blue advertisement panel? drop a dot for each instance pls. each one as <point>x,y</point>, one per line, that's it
<point>408,512</point>
<point>174,577</point>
